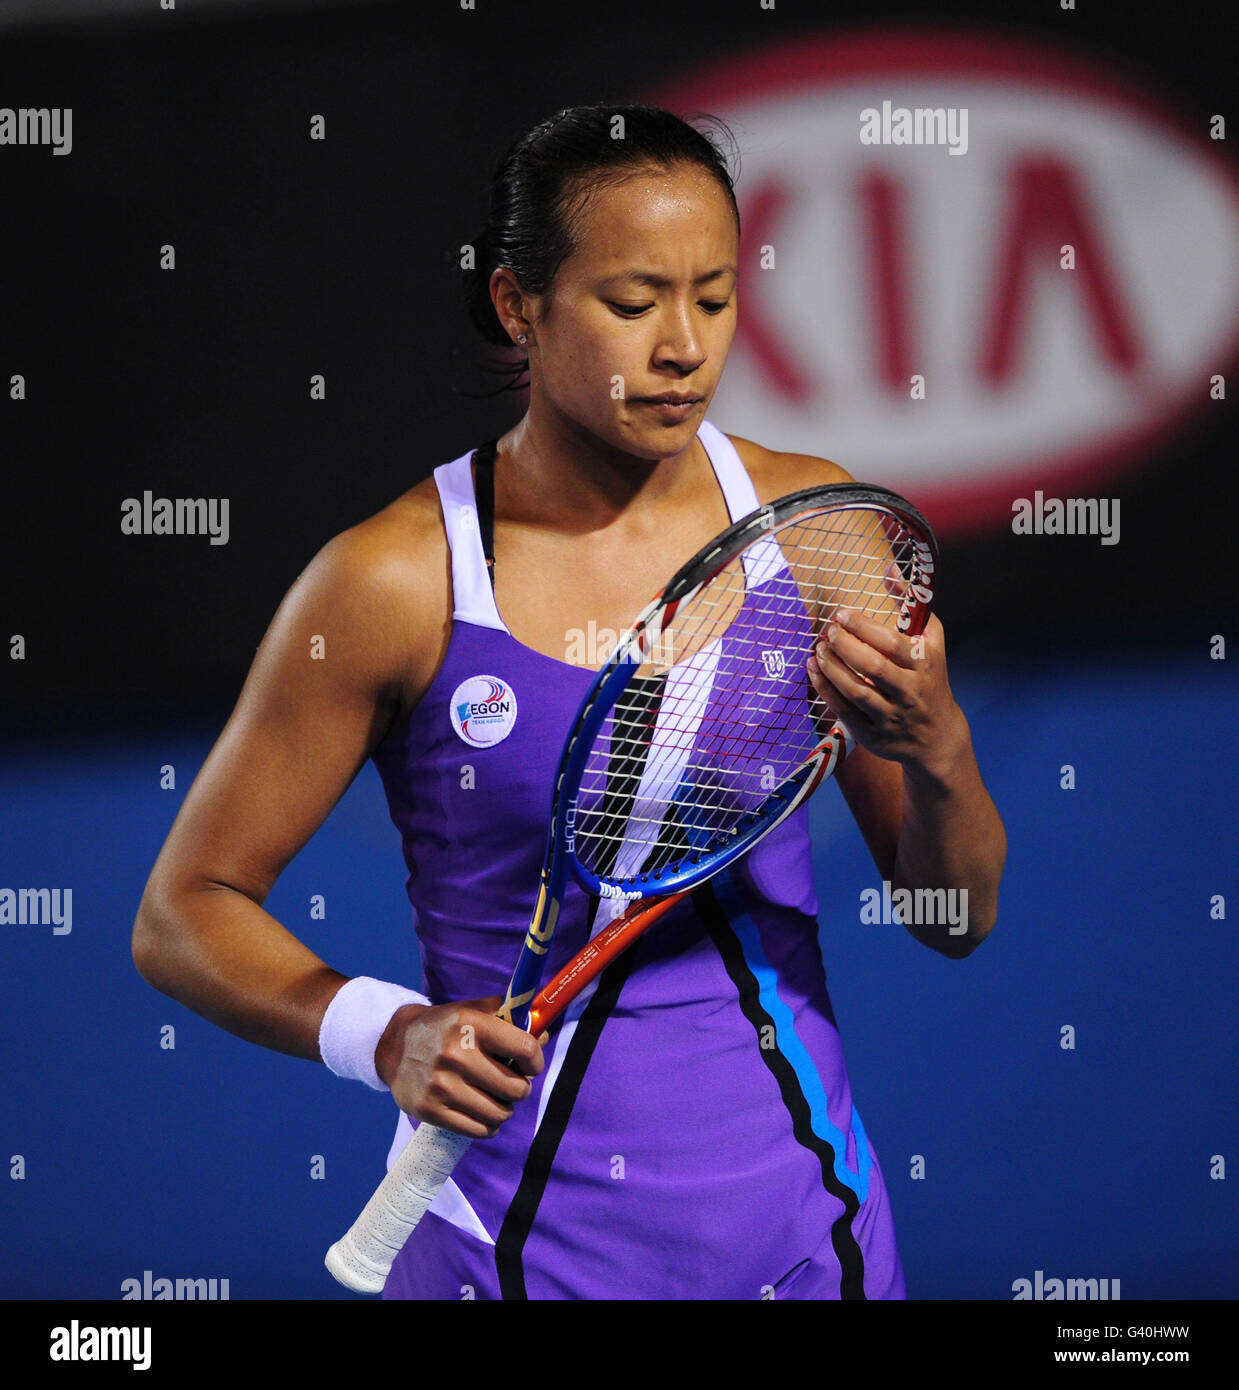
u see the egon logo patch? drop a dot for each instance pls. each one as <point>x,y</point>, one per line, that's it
<point>971,267</point>
<point>483,710</point>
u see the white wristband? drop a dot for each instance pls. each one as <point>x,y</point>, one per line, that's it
<point>355,1021</point>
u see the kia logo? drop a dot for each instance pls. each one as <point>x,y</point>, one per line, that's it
<point>970,267</point>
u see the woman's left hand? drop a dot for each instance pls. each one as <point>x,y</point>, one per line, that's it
<point>891,691</point>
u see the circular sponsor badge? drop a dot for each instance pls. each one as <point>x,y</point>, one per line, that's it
<point>483,710</point>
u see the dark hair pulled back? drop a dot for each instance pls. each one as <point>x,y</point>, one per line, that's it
<point>542,184</point>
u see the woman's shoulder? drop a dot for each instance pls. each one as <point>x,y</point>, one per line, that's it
<point>401,546</point>
<point>388,579</point>
<point>775,473</point>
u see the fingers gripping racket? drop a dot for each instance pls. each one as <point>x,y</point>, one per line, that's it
<point>695,740</point>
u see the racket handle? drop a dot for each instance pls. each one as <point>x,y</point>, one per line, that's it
<point>362,1258</point>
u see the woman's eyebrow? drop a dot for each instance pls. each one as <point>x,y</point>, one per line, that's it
<point>661,282</point>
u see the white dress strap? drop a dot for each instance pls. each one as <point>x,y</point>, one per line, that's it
<point>764,561</point>
<point>473,598</point>
<point>729,469</point>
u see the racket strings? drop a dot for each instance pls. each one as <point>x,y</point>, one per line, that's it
<point>621,780</point>
<point>721,713</point>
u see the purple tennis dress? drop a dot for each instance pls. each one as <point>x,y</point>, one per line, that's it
<point>693,1135</point>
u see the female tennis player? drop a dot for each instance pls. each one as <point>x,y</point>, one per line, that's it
<point>688,1130</point>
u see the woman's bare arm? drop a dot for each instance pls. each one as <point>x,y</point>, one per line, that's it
<point>916,792</point>
<point>359,630</point>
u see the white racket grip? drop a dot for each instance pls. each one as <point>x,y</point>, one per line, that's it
<point>362,1258</point>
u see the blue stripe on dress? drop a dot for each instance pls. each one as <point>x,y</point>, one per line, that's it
<point>789,1043</point>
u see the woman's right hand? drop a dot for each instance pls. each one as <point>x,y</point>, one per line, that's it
<point>446,1063</point>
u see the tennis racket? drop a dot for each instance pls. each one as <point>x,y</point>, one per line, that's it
<point>699,736</point>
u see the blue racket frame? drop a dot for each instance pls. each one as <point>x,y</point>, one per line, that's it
<point>611,682</point>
